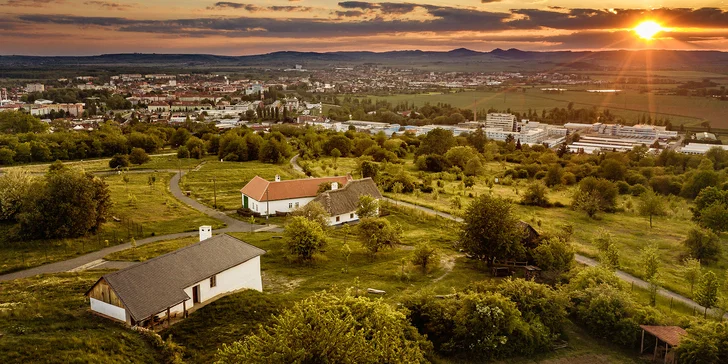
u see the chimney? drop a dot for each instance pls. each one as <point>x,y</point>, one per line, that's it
<point>278,177</point>
<point>334,186</point>
<point>205,232</point>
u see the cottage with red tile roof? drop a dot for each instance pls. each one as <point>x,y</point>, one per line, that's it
<point>272,197</point>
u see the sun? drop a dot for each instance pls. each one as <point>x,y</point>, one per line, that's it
<point>647,29</point>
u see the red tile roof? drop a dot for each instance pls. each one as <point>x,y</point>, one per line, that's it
<point>668,334</point>
<point>261,190</point>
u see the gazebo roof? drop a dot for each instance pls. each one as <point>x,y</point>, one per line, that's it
<point>668,334</point>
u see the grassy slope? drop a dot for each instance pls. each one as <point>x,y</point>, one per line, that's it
<point>230,177</point>
<point>154,208</point>
<point>46,319</point>
<point>102,165</point>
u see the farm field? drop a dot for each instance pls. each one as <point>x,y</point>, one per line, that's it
<point>629,105</point>
<point>229,178</point>
<point>102,165</point>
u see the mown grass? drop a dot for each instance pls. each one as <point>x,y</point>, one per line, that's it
<point>151,250</point>
<point>46,319</point>
<point>229,178</point>
<point>157,162</point>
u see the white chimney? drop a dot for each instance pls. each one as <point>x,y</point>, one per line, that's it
<point>334,186</point>
<point>205,232</point>
<point>278,177</point>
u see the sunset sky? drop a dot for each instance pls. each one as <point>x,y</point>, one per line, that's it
<point>87,27</point>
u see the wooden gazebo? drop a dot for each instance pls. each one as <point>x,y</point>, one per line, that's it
<point>669,335</point>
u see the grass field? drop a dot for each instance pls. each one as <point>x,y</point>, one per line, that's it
<point>157,162</point>
<point>630,104</point>
<point>154,208</point>
<point>229,178</point>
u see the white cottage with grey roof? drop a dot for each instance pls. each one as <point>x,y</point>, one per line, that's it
<point>172,284</point>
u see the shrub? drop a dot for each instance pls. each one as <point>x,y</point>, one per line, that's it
<point>705,343</point>
<point>702,244</point>
<point>425,257</point>
<point>623,187</point>
<point>304,237</point>
<point>538,303</point>
<point>536,195</point>
<point>119,161</point>
<point>138,156</point>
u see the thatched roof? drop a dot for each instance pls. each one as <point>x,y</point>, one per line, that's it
<point>346,200</point>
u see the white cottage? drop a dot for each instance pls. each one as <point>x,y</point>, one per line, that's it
<point>276,197</point>
<point>341,203</point>
<point>172,284</point>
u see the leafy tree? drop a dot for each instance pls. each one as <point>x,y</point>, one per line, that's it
<point>691,271</point>
<point>196,147</point>
<point>274,151</point>
<point>491,231</point>
<point>65,204</point>
<point>336,154</point>
<point>714,217</point>
<point>377,233</point>
<point>553,175</point>
<point>705,343</point>
<point>425,256</point>
<point>6,156</point>
<point>315,212</point>
<point>651,204</point>
<point>180,137</point>
<point>698,181</point>
<point>460,156</point>
<point>537,302</point>
<point>473,168</point>
<point>702,244</point>
<point>304,237</point>
<point>119,161</point>
<point>340,142</point>
<point>554,255</point>
<point>369,169</point>
<point>15,185</point>
<point>650,261</point>
<point>608,252</point>
<point>594,195</point>
<point>327,328</point>
<point>183,152</point>
<point>138,156</point>
<point>536,195</point>
<point>17,122</point>
<point>368,207</point>
<point>706,293</point>
<point>437,141</point>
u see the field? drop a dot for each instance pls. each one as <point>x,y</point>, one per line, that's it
<point>630,105</point>
<point>229,178</point>
<point>153,208</point>
<point>157,162</point>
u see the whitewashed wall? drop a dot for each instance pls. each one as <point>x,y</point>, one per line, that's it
<point>108,309</point>
<point>343,218</point>
<point>282,205</point>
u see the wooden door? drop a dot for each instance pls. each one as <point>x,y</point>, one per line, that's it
<point>195,294</point>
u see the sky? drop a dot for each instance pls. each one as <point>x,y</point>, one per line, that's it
<point>91,27</point>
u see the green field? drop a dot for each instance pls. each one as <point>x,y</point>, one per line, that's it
<point>157,162</point>
<point>629,105</point>
<point>229,178</point>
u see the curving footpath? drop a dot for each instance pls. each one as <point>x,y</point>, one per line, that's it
<point>95,259</point>
<point>578,257</point>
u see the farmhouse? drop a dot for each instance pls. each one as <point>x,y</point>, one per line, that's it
<point>341,203</point>
<point>172,284</point>
<point>281,197</point>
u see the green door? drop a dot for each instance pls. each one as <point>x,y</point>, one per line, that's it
<point>245,201</point>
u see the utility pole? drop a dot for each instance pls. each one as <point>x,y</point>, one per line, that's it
<point>214,190</point>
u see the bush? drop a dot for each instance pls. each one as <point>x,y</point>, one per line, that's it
<point>119,161</point>
<point>425,257</point>
<point>183,152</point>
<point>702,244</point>
<point>536,195</point>
<point>138,156</point>
<point>705,343</point>
<point>623,187</point>
<point>637,190</point>
<point>304,237</point>
<point>538,303</point>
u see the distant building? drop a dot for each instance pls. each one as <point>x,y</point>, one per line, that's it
<point>342,203</point>
<point>697,148</point>
<point>34,87</point>
<point>505,122</point>
<point>172,284</point>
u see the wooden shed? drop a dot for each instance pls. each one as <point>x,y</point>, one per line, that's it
<point>666,339</point>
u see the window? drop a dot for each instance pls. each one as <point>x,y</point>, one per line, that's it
<point>351,216</point>
<point>338,218</point>
<point>213,281</point>
<point>296,204</point>
<point>290,205</point>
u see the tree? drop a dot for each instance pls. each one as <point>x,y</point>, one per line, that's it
<point>336,154</point>
<point>474,167</point>
<point>368,206</point>
<point>702,244</point>
<point>706,293</point>
<point>314,211</point>
<point>377,233</point>
<point>651,204</point>
<point>183,152</point>
<point>437,141</point>
<point>18,122</point>
<point>328,328</point>
<point>15,185</point>
<point>714,217</point>
<point>119,161</point>
<point>425,256</point>
<point>339,142</point>
<point>491,231</point>
<point>594,195</point>
<point>536,195</point>
<point>650,261</point>
<point>65,204</point>
<point>179,137</point>
<point>555,255</point>
<point>196,147</point>
<point>553,175</point>
<point>691,271</point>
<point>304,237</point>
<point>138,156</point>
<point>705,343</point>
<point>608,252</point>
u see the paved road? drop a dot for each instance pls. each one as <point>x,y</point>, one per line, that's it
<point>589,262</point>
<point>296,166</point>
<point>95,259</point>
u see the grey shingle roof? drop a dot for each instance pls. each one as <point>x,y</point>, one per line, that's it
<point>346,199</point>
<point>148,288</point>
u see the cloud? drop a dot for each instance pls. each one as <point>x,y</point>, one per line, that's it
<point>32,3</point>
<point>110,5</point>
<point>349,13</point>
<point>254,8</point>
<point>490,1</point>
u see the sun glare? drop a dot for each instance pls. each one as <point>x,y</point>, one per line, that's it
<point>647,29</point>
